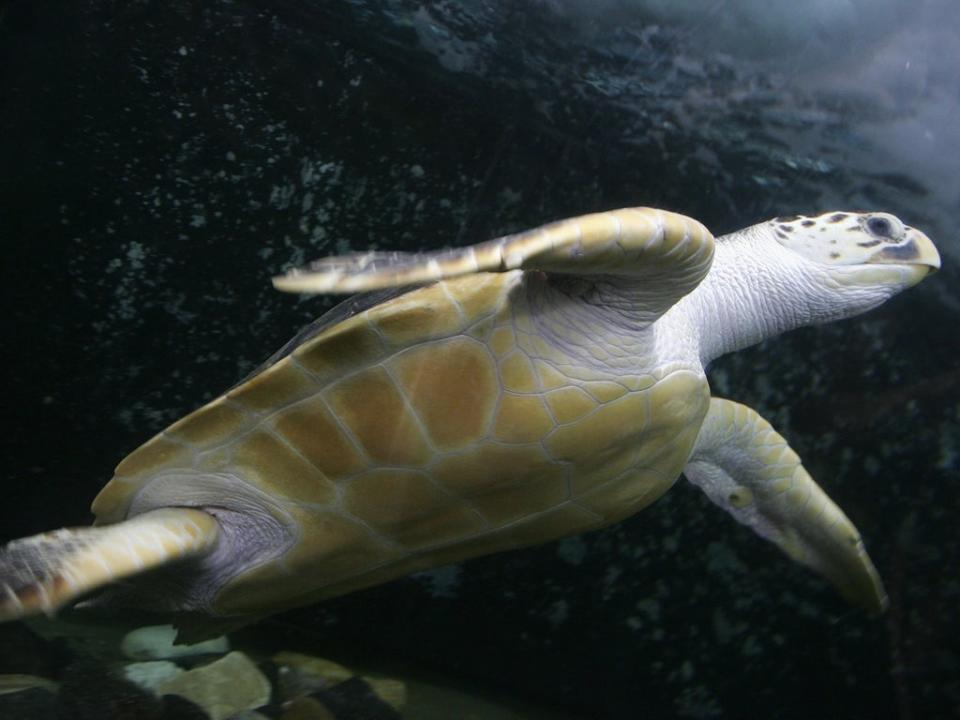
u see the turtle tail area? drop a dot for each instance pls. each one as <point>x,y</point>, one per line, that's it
<point>45,572</point>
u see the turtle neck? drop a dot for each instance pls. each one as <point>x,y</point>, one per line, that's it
<point>756,289</point>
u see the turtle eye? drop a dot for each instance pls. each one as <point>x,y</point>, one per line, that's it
<point>884,226</point>
<point>879,226</point>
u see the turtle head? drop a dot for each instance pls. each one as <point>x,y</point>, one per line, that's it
<point>805,270</point>
<point>860,251</point>
<point>850,262</point>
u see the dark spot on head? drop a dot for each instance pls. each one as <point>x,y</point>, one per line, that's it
<point>834,255</point>
<point>901,252</point>
<point>837,217</point>
<point>869,243</point>
<point>787,218</point>
<point>833,242</point>
<point>786,228</point>
<point>782,235</point>
<point>808,223</point>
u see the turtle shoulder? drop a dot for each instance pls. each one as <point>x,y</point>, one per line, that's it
<point>357,334</point>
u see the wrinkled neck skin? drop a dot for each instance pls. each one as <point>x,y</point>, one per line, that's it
<point>757,289</point>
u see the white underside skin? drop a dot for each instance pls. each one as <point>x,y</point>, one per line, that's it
<point>748,469</point>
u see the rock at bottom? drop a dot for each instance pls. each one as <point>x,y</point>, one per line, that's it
<point>223,688</point>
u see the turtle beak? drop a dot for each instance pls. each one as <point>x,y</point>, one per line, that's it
<point>918,255</point>
<point>917,250</point>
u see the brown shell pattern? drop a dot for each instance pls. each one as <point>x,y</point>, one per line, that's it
<point>432,428</point>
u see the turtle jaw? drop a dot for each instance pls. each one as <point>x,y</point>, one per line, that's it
<point>894,268</point>
<point>887,269</point>
<point>881,279</point>
<point>916,258</point>
<point>914,273</point>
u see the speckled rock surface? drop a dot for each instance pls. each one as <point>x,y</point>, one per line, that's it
<point>152,674</point>
<point>222,688</point>
<point>155,642</point>
<point>159,161</point>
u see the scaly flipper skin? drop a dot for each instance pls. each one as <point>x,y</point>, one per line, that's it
<point>45,572</point>
<point>748,469</point>
<point>666,253</point>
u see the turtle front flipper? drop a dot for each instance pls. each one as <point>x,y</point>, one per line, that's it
<point>666,254</point>
<point>45,572</point>
<point>747,468</point>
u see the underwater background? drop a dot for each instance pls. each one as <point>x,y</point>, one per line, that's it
<point>160,161</point>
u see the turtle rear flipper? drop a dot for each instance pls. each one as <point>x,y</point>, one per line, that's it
<point>45,572</point>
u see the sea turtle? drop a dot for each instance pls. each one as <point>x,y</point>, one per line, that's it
<point>480,399</point>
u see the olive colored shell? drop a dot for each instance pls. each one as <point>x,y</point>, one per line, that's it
<point>436,426</point>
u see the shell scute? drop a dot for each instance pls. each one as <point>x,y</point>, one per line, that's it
<point>348,344</point>
<point>156,453</point>
<point>678,404</point>
<point>514,500</point>
<point>211,424</point>
<point>613,426</point>
<point>604,391</point>
<point>474,471</point>
<point>517,374</point>
<point>420,315</point>
<point>452,387</point>
<point>678,397</point>
<point>313,431</point>
<point>521,419</point>
<point>504,482</point>
<point>409,508</point>
<point>502,340</point>
<point>570,403</point>
<point>550,377</point>
<point>566,519</point>
<point>279,385</point>
<point>625,495</point>
<point>372,408</point>
<point>628,482</point>
<point>279,469</point>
